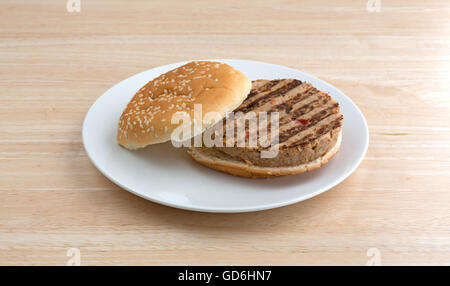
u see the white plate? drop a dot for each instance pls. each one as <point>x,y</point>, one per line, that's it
<point>167,175</point>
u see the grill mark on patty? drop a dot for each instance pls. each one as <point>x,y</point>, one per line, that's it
<point>308,130</point>
<point>286,107</point>
<point>289,119</point>
<point>256,93</point>
<point>311,136</point>
<point>264,87</point>
<point>320,106</point>
<point>309,103</point>
<point>290,97</point>
<point>263,99</point>
<point>335,124</point>
<point>252,93</point>
<point>313,121</point>
<point>304,109</point>
<point>300,96</point>
<point>289,104</point>
<point>269,85</point>
<point>323,112</point>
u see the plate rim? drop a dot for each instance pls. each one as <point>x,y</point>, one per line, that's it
<point>238,209</point>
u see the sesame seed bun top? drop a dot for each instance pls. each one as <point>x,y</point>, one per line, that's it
<point>217,87</point>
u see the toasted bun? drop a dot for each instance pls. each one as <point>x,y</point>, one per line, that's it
<point>222,162</point>
<point>147,118</point>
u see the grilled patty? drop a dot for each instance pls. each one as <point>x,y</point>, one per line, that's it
<point>309,125</point>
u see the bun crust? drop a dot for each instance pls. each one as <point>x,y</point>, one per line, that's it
<point>146,120</point>
<point>221,162</point>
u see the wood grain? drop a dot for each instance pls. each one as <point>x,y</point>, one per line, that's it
<point>395,64</point>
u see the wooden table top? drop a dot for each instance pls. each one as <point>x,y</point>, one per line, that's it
<point>394,64</point>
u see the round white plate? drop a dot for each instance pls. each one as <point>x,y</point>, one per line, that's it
<point>167,175</point>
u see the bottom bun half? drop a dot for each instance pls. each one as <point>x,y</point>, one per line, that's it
<point>219,161</point>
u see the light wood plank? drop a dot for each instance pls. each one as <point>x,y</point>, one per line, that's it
<point>394,64</point>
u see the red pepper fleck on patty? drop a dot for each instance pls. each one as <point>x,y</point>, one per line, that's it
<point>303,121</point>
